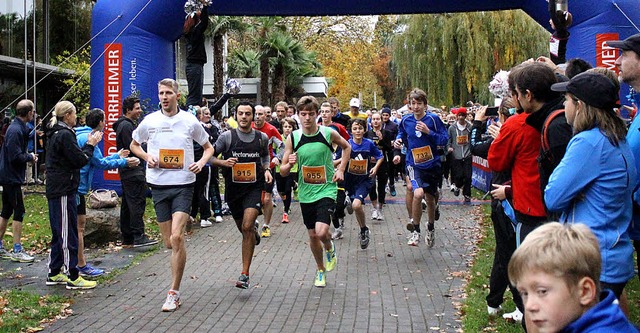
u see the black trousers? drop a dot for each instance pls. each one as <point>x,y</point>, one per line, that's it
<point>134,193</point>
<point>199,202</point>
<point>461,174</point>
<point>505,246</point>
<point>195,80</point>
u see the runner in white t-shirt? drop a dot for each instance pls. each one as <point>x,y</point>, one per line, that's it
<point>169,134</point>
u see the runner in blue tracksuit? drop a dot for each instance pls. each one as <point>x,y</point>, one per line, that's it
<point>422,133</point>
<point>358,179</point>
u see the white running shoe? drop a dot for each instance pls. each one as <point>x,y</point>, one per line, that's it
<point>515,316</point>
<point>374,214</point>
<point>172,303</point>
<point>218,219</point>
<point>205,224</point>
<point>380,215</point>
<point>494,311</point>
<point>415,239</point>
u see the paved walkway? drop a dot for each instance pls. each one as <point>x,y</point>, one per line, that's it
<point>390,287</point>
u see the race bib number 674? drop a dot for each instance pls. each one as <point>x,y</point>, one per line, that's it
<point>171,159</point>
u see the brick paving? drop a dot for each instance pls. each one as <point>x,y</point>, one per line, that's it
<point>389,287</point>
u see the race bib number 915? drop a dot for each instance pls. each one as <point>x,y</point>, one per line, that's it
<point>171,159</point>
<point>314,175</point>
<point>244,173</point>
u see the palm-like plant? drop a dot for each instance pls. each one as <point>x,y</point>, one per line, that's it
<point>218,27</point>
<point>244,63</point>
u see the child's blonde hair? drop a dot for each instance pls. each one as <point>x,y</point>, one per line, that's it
<point>568,251</point>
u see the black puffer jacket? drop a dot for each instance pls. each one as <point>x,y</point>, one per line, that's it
<point>64,161</point>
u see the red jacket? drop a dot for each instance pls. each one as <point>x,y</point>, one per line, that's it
<point>517,148</point>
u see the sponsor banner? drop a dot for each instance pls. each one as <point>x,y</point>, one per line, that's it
<point>112,101</point>
<point>606,56</point>
<point>481,174</point>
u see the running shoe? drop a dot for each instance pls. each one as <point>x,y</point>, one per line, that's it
<point>219,219</point>
<point>172,303</point>
<point>257,226</point>
<point>493,311</point>
<point>332,259</point>
<point>374,214</point>
<point>410,226</point>
<point>347,205</point>
<point>266,231</point>
<point>380,215</point>
<point>21,257</point>
<point>430,238</point>
<point>57,279</point>
<point>285,218</point>
<point>337,234</point>
<point>243,282</point>
<point>424,205</point>
<point>4,254</point>
<point>365,238</point>
<point>90,271</point>
<point>144,241</point>
<point>81,283</point>
<point>467,199</point>
<point>392,189</point>
<point>513,316</point>
<point>320,282</point>
<point>415,239</point>
<point>205,223</point>
<point>456,191</point>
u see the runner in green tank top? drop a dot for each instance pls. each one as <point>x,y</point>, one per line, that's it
<point>312,148</point>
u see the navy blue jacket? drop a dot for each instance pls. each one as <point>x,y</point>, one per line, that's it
<point>14,155</point>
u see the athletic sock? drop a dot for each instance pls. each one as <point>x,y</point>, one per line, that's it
<point>363,229</point>
<point>416,227</point>
<point>430,226</point>
<point>17,248</point>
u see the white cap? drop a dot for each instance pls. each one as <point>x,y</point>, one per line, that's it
<point>354,102</point>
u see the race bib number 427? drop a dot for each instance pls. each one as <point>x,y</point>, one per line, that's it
<point>171,159</point>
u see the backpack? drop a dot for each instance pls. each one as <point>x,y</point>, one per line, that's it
<point>546,149</point>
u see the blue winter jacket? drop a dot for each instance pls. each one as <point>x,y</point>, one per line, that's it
<point>98,161</point>
<point>593,185</point>
<point>416,141</point>
<point>13,154</point>
<point>633,138</point>
<point>605,316</point>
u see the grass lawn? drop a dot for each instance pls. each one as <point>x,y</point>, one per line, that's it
<point>25,311</point>
<point>474,309</point>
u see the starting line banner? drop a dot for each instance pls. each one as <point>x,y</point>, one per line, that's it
<point>481,174</point>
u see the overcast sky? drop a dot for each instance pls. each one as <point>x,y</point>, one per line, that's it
<point>11,6</point>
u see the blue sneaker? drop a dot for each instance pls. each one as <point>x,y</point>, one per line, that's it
<point>90,271</point>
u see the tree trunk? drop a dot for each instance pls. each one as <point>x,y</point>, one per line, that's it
<point>218,68</point>
<point>279,84</point>
<point>264,97</point>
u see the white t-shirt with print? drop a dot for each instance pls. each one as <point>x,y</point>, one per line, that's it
<point>170,139</point>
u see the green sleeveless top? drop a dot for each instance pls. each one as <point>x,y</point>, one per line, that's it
<point>315,161</point>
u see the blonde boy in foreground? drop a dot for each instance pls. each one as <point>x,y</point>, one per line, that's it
<point>556,270</point>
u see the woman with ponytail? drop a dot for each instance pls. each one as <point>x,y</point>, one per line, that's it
<point>63,161</point>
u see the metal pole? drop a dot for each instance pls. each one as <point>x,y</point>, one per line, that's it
<point>35,113</point>
<point>225,107</point>
<point>26,75</point>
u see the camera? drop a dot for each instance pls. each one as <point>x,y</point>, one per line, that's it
<point>491,111</point>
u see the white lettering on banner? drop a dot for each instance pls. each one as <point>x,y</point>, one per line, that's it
<point>480,162</point>
<point>112,100</point>
<point>133,74</point>
<point>608,56</point>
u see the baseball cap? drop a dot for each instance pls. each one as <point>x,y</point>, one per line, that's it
<point>354,102</point>
<point>631,43</point>
<point>592,88</point>
<point>461,110</point>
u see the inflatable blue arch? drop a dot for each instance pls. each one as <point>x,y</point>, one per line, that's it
<point>134,44</point>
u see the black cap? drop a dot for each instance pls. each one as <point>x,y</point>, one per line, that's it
<point>385,110</point>
<point>592,88</point>
<point>631,43</point>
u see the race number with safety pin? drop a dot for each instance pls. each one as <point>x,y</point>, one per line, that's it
<point>422,154</point>
<point>244,173</point>
<point>314,175</point>
<point>357,167</point>
<point>462,139</point>
<point>171,159</point>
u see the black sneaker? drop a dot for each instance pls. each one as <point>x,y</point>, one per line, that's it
<point>144,241</point>
<point>243,282</point>
<point>456,191</point>
<point>365,238</point>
